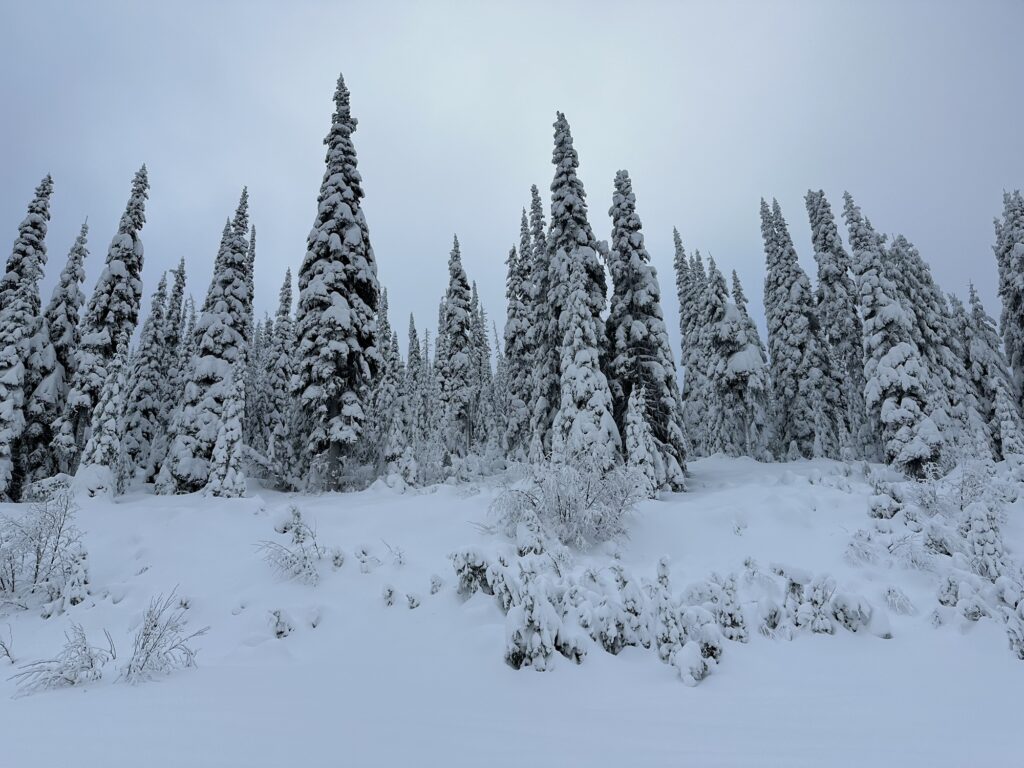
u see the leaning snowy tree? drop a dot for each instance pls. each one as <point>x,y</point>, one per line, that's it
<point>20,323</point>
<point>109,323</point>
<point>337,359</point>
<point>895,375</point>
<point>798,381</point>
<point>640,355</point>
<point>840,324</point>
<point>221,348</point>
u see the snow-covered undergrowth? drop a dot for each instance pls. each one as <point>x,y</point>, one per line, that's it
<point>815,605</point>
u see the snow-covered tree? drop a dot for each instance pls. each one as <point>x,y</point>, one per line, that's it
<point>584,431</point>
<point>749,375</point>
<point>542,337</point>
<point>894,373</point>
<point>21,322</point>
<point>106,450</point>
<point>279,362</point>
<point>147,385</point>
<point>227,476</point>
<point>63,314</point>
<point>221,347</point>
<point>517,355</point>
<point>176,353</point>
<point>990,379</point>
<point>337,359</point>
<point>642,453</point>
<point>640,355</point>
<point>454,362</point>
<point>839,322</point>
<point>797,380</point>
<point>1009,251</point>
<point>696,388</point>
<point>108,324</point>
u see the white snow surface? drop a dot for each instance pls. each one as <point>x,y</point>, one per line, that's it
<point>371,685</point>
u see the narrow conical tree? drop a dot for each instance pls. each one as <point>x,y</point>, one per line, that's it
<point>696,388</point>
<point>227,476</point>
<point>109,322</point>
<point>63,313</point>
<point>840,325</point>
<point>797,381</point>
<point>642,453</point>
<point>280,405</point>
<point>337,360</point>
<point>894,373</point>
<point>455,365</point>
<point>573,253</point>
<point>638,346</point>
<point>542,337</point>
<point>21,323</point>
<point>147,385</point>
<point>221,349</point>
<point>749,376</point>
<point>106,444</point>
<point>518,355</point>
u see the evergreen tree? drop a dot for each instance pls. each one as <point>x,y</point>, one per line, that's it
<point>642,454</point>
<point>415,379</point>
<point>840,325</point>
<point>696,388</point>
<point>894,372</point>
<point>176,353</point>
<point>227,476</point>
<point>749,377</point>
<point>63,314</point>
<point>541,337</point>
<point>584,431</point>
<point>639,349</point>
<point>990,380</point>
<point>575,274</point>
<point>106,445</point>
<point>108,324</point>
<point>454,362</point>
<point>338,359</point>
<point>1009,251</point>
<point>484,417</point>
<point>146,393</point>
<point>220,353</point>
<point>279,366</point>
<point>21,325</point>
<point>518,356</point>
<point>797,378</point>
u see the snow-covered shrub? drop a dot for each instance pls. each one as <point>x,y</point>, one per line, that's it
<point>898,602</point>
<point>531,624</point>
<point>77,663</point>
<point>337,557</point>
<point>814,611</point>
<point>368,561</point>
<point>388,595</point>
<point>435,584</point>
<point>280,624</point>
<point>412,600</point>
<point>851,611</point>
<point>578,506</point>
<point>301,558</point>
<point>397,555</point>
<point>986,546</point>
<point>162,642</point>
<point>42,559</point>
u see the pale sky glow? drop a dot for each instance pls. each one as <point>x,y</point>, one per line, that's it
<point>914,107</point>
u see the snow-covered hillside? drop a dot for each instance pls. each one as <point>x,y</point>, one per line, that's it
<point>353,681</point>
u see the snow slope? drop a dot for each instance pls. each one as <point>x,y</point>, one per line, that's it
<point>371,685</point>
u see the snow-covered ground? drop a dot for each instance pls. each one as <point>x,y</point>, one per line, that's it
<point>363,684</point>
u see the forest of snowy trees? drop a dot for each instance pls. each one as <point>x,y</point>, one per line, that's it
<point>871,360</point>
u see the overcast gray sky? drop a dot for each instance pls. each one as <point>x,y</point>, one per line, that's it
<point>915,107</point>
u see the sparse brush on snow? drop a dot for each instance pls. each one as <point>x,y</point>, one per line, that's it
<point>578,506</point>
<point>78,662</point>
<point>163,642</point>
<point>300,559</point>
<point>42,560</point>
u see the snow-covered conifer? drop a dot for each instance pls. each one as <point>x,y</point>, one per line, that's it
<point>696,392</point>
<point>797,378</point>
<point>227,476</point>
<point>106,446</point>
<point>221,348</point>
<point>108,324</point>
<point>63,313</point>
<point>278,377</point>
<point>20,323</point>
<point>638,346</point>
<point>337,361</point>
<point>454,361</point>
<point>146,394</point>
<point>894,373</point>
<point>1009,251</point>
<point>839,322</point>
<point>517,354</point>
<point>642,453</point>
